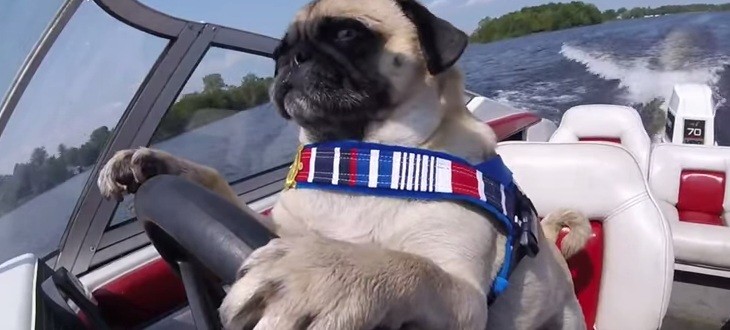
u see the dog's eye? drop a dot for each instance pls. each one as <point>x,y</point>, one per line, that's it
<point>346,35</point>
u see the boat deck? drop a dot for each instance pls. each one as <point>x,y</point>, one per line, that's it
<point>698,305</point>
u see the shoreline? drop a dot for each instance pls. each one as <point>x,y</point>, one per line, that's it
<point>472,42</point>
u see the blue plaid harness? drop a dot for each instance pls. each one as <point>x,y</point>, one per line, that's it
<point>410,173</point>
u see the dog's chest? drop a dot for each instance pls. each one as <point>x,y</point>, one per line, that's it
<point>459,239</point>
<point>339,216</point>
<point>358,218</point>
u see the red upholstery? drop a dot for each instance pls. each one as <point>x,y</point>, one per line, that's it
<point>507,126</point>
<point>701,195</point>
<point>600,139</point>
<point>85,320</point>
<point>141,295</point>
<point>606,123</point>
<point>586,268</point>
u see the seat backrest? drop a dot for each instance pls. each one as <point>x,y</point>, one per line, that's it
<point>694,179</point>
<point>606,123</point>
<point>633,274</point>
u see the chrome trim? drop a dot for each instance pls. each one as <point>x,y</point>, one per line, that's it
<point>119,233</point>
<point>117,250</point>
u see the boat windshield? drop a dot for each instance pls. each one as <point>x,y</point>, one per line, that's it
<point>88,74</point>
<point>208,125</point>
<point>62,121</point>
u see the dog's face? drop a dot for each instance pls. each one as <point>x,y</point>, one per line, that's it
<point>344,64</point>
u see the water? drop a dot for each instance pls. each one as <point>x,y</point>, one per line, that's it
<point>622,62</point>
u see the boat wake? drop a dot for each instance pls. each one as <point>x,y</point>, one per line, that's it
<point>647,82</point>
<point>641,79</point>
<point>542,96</point>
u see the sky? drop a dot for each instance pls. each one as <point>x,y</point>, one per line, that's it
<point>97,64</point>
<point>465,14</point>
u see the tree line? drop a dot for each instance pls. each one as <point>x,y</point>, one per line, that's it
<point>640,12</point>
<point>217,95</point>
<point>558,16</point>
<point>548,17</point>
<point>46,170</point>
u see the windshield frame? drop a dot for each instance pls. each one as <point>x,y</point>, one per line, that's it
<point>87,243</point>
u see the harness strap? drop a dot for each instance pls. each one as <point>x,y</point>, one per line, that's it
<point>401,172</point>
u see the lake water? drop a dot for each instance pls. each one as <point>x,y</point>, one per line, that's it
<point>621,62</point>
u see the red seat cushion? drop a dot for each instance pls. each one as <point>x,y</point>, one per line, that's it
<point>506,126</point>
<point>141,295</point>
<point>586,268</point>
<point>701,195</point>
<point>601,139</point>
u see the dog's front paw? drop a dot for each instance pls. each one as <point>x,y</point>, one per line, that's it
<point>244,304</point>
<point>311,284</point>
<point>128,169</point>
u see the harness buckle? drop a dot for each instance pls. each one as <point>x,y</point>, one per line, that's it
<point>528,225</point>
<point>294,169</point>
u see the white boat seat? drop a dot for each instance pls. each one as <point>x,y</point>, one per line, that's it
<point>628,285</point>
<point>690,183</point>
<point>606,123</point>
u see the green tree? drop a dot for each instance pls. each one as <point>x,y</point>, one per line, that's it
<point>39,156</point>
<point>609,14</point>
<point>62,150</point>
<point>484,21</point>
<point>548,17</point>
<point>43,172</point>
<point>89,151</point>
<point>73,157</point>
<point>213,82</point>
<point>56,171</point>
<point>216,95</point>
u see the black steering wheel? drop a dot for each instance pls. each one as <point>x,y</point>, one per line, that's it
<point>202,236</point>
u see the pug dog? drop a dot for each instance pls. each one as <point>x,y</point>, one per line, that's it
<point>379,71</point>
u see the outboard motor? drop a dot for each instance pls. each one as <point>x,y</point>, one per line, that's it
<point>691,115</point>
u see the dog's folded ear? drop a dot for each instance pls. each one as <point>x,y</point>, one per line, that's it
<point>441,42</point>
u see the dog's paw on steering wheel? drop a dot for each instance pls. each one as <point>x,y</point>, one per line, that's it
<point>128,169</point>
<point>318,283</point>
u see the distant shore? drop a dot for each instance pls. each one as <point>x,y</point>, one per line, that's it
<point>560,16</point>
